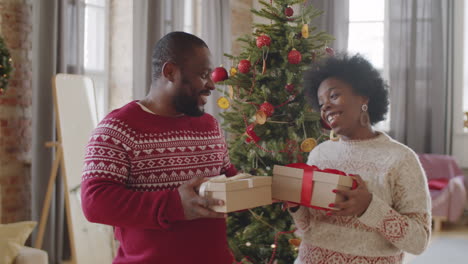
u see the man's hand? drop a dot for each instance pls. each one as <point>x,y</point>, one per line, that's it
<point>357,200</point>
<point>194,205</point>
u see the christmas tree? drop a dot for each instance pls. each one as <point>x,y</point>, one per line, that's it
<point>268,119</point>
<point>5,66</point>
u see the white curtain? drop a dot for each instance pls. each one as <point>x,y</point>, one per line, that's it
<point>334,20</point>
<point>420,73</point>
<point>216,32</point>
<point>57,48</point>
<point>152,19</point>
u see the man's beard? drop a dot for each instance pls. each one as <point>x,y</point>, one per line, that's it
<point>188,105</point>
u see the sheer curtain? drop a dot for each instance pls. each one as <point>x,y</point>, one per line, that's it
<point>148,28</point>
<point>420,73</point>
<point>57,48</point>
<point>152,19</point>
<point>216,32</point>
<point>334,20</point>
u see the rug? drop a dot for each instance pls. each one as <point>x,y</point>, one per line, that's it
<point>450,250</point>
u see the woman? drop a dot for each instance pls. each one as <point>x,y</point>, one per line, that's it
<point>389,212</point>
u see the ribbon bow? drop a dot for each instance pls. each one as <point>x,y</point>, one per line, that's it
<point>308,181</point>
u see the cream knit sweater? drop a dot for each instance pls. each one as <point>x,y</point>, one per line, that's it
<point>397,219</point>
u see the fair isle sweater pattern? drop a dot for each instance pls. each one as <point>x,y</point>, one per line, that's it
<point>153,161</point>
<point>397,219</point>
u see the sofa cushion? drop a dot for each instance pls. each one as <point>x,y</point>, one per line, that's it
<point>29,255</point>
<point>438,184</point>
<point>12,238</point>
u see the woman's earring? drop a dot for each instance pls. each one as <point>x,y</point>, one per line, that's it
<point>364,116</point>
<point>333,137</point>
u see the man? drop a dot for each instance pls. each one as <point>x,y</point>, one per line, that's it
<point>145,160</point>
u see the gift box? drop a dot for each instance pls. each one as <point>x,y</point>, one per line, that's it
<point>239,192</point>
<point>310,186</point>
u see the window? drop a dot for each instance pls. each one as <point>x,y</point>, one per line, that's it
<point>182,15</point>
<point>465,71</point>
<point>95,51</point>
<point>367,37</point>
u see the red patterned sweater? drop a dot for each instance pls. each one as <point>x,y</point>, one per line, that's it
<point>134,162</point>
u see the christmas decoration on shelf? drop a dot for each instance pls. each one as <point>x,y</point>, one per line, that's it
<point>269,120</point>
<point>5,66</point>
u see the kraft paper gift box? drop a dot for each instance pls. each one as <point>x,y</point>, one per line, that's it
<point>239,192</point>
<point>309,186</point>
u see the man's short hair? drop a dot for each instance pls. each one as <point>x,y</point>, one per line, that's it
<point>176,47</point>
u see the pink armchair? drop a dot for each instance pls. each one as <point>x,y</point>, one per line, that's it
<point>446,185</point>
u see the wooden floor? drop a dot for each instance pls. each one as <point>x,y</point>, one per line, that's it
<point>448,230</point>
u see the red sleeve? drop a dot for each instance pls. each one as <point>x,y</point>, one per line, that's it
<point>228,168</point>
<point>107,200</point>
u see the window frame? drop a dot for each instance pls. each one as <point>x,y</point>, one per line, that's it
<point>100,77</point>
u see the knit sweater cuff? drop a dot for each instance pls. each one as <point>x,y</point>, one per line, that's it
<point>375,212</point>
<point>174,209</point>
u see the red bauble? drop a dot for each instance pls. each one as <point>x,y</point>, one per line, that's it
<point>219,74</point>
<point>329,51</point>
<point>244,66</point>
<point>289,11</point>
<point>263,40</point>
<point>289,87</point>
<point>294,57</point>
<point>251,135</point>
<point>268,108</point>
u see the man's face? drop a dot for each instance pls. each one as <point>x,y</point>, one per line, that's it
<point>194,84</point>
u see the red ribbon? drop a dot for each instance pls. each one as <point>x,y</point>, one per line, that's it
<point>308,182</point>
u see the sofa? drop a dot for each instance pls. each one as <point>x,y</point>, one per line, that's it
<point>446,186</point>
<point>12,239</point>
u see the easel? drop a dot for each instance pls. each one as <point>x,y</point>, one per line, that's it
<point>58,161</point>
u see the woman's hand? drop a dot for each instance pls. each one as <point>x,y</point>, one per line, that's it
<point>356,201</point>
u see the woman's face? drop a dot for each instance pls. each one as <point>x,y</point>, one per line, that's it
<point>340,107</point>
